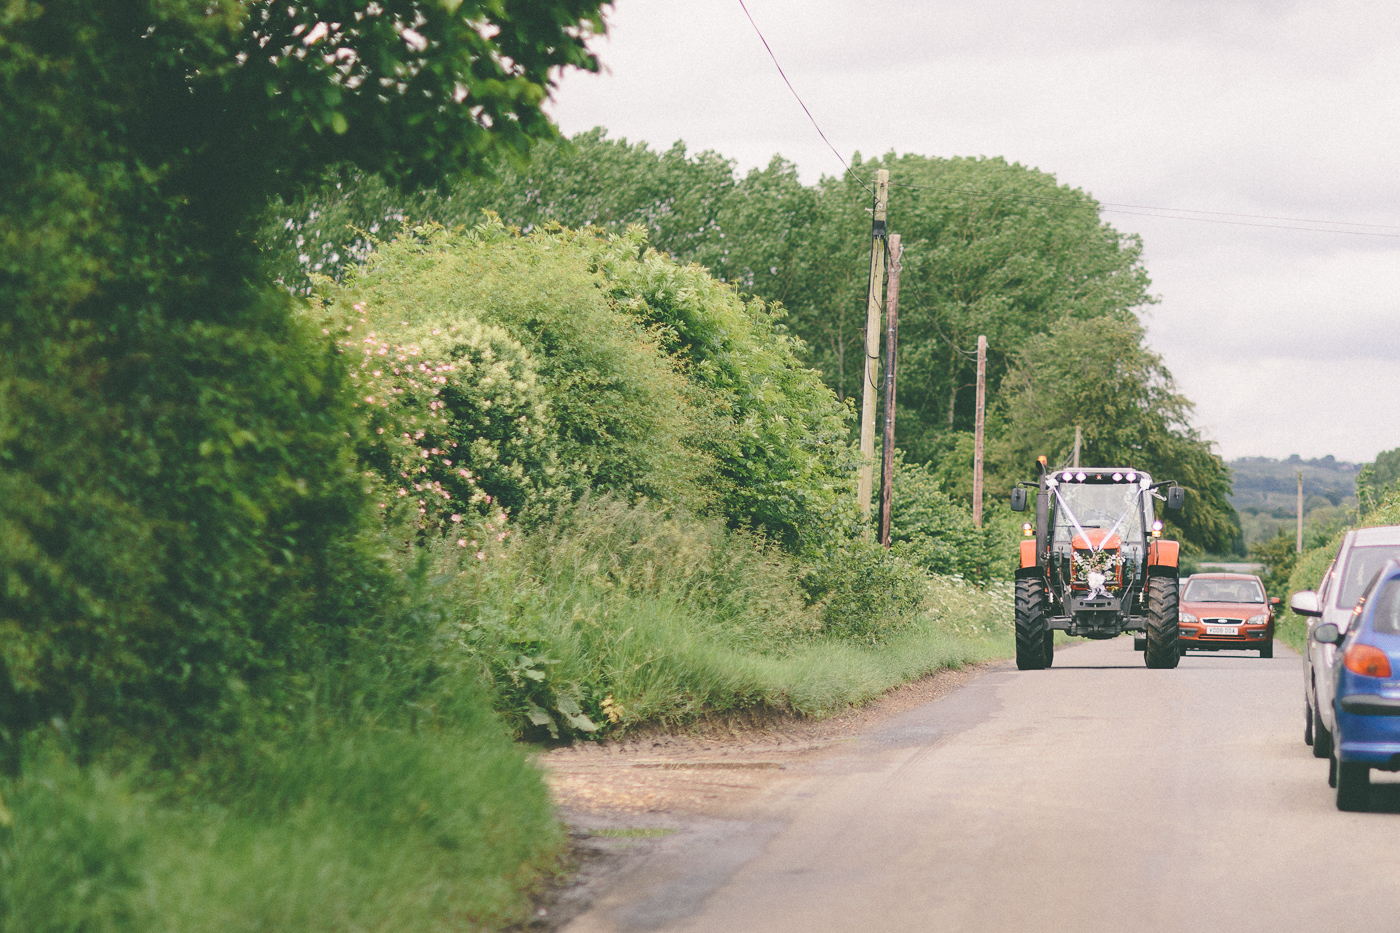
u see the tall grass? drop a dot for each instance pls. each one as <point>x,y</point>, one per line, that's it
<point>351,830</point>
<point>392,798</point>
<point>635,615</point>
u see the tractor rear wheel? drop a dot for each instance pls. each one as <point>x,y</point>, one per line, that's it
<point>1031,628</point>
<point>1163,648</point>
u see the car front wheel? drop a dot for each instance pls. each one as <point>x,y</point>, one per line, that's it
<point>1307,723</point>
<point>1267,649</point>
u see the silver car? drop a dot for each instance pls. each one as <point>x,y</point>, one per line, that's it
<point>1362,555</point>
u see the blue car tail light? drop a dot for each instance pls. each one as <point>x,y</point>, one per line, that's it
<point>1367,660</point>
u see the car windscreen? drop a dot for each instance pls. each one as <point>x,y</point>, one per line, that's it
<point>1387,617</point>
<point>1363,563</point>
<point>1223,591</point>
<point>1099,506</point>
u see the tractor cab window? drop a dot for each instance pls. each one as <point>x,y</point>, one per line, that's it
<point>1099,505</point>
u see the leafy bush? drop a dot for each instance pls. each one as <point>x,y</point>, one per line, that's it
<point>866,593</point>
<point>627,374</point>
<point>594,405</point>
<point>929,529</point>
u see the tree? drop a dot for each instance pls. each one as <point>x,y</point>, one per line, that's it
<point>1377,478</point>
<point>1098,375</point>
<point>183,525</point>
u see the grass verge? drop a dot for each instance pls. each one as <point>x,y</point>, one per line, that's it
<point>404,805</point>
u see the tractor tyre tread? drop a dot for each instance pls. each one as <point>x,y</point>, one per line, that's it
<point>1163,648</point>
<point>1031,628</point>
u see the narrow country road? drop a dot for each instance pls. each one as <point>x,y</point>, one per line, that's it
<point>1096,796</point>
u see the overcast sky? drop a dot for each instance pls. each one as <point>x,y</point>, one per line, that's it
<point>1285,339</point>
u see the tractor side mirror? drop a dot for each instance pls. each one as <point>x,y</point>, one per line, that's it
<point>1328,634</point>
<point>1176,498</point>
<point>1018,499</point>
<point>1274,601</point>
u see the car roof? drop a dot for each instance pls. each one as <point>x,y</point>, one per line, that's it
<point>1223,576</point>
<point>1368,537</point>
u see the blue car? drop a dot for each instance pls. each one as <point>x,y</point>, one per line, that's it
<point>1366,699</point>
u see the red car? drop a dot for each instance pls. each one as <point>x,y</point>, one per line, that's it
<point>1228,611</point>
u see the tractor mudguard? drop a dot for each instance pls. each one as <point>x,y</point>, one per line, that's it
<point>1027,555</point>
<point>1163,554</point>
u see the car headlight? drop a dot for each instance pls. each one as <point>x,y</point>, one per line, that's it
<point>1188,618</point>
<point>1258,620</point>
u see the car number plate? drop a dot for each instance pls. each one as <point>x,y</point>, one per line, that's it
<point>1222,629</point>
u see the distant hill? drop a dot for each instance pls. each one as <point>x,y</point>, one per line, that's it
<point>1263,484</point>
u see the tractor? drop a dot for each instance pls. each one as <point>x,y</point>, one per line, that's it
<point>1095,564</point>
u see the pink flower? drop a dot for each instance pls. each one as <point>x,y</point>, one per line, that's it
<point>480,555</point>
<point>461,542</point>
<point>456,518</point>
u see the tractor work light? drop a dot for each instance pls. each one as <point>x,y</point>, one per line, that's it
<point>1157,528</point>
<point>1026,529</point>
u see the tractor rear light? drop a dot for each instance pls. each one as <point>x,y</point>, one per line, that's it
<point>1026,529</point>
<point>1367,660</point>
<point>1157,529</point>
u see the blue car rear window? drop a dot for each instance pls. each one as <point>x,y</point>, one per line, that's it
<point>1387,617</point>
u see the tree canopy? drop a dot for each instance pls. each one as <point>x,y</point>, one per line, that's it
<point>180,510</point>
<point>991,248</point>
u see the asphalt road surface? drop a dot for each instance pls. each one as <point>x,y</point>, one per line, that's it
<point>1095,796</point>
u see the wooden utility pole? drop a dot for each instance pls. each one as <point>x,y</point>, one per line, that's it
<point>872,343</point>
<point>1078,443</point>
<point>887,447</point>
<point>1299,544</point>
<point>980,431</point>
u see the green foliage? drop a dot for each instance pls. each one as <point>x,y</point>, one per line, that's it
<point>545,366</point>
<point>640,615</point>
<point>1279,555</point>
<point>183,527</point>
<point>571,395</point>
<point>930,529</point>
<point>71,851</point>
<point>991,248</point>
<point>1098,374</point>
<point>1377,479</point>
<point>866,593</point>
<point>365,829</point>
<point>785,464</point>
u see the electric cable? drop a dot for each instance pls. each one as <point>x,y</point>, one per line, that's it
<point>800,102</point>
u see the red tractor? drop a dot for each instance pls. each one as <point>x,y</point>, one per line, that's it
<point>1094,564</point>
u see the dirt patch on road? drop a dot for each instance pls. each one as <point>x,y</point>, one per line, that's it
<point>622,798</point>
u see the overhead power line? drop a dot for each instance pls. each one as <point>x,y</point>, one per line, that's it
<point>800,102</point>
<point>1163,213</point>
